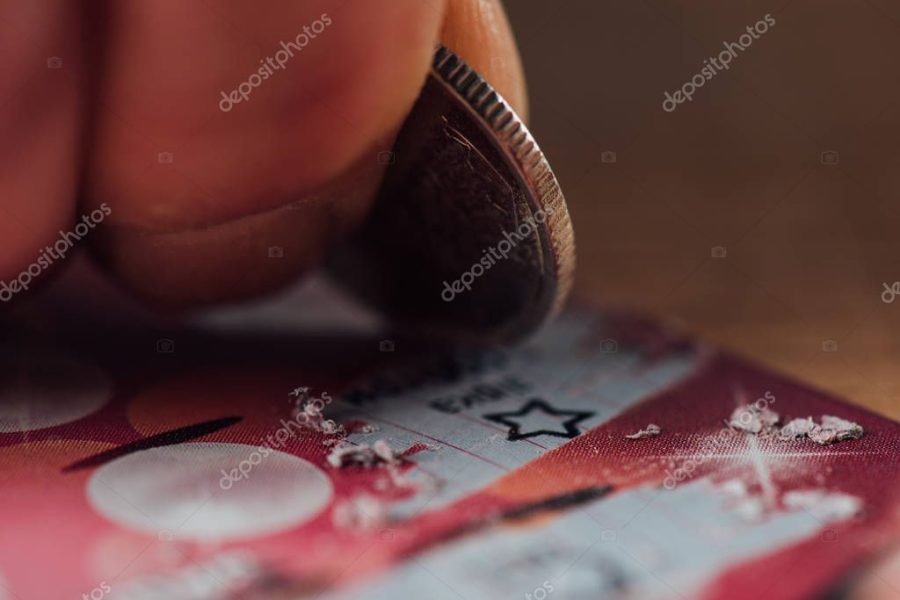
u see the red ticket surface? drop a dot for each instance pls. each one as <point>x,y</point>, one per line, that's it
<point>173,465</point>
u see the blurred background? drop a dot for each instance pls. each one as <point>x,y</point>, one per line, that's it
<point>763,214</point>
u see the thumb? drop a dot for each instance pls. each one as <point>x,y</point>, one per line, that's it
<point>234,143</point>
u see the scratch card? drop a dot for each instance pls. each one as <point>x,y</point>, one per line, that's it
<point>608,457</point>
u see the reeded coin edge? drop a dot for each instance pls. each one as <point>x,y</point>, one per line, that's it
<point>521,147</point>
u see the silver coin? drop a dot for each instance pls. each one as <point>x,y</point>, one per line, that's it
<point>469,237</point>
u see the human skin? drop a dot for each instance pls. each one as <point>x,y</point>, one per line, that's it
<point>293,166</point>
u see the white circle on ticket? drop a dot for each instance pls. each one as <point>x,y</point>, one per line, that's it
<point>41,389</point>
<point>209,491</point>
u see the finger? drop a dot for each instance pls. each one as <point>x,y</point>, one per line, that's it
<point>479,32</point>
<point>42,100</point>
<point>201,185</point>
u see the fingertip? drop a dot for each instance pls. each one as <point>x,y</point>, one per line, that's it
<point>480,33</point>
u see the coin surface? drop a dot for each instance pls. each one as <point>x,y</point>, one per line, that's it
<point>469,237</point>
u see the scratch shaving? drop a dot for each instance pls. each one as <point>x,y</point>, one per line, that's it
<point>652,430</point>
<point>361,512</point>
<point>829,431</point>
<point>753,419</point>
<point>363,455</point>
<point>756,420</point>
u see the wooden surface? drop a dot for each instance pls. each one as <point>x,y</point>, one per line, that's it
<point>808,243</point>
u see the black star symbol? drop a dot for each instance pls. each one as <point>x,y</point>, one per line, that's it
<point>536,404</point>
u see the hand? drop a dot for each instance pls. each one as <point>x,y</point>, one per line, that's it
<point>210,131</point>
